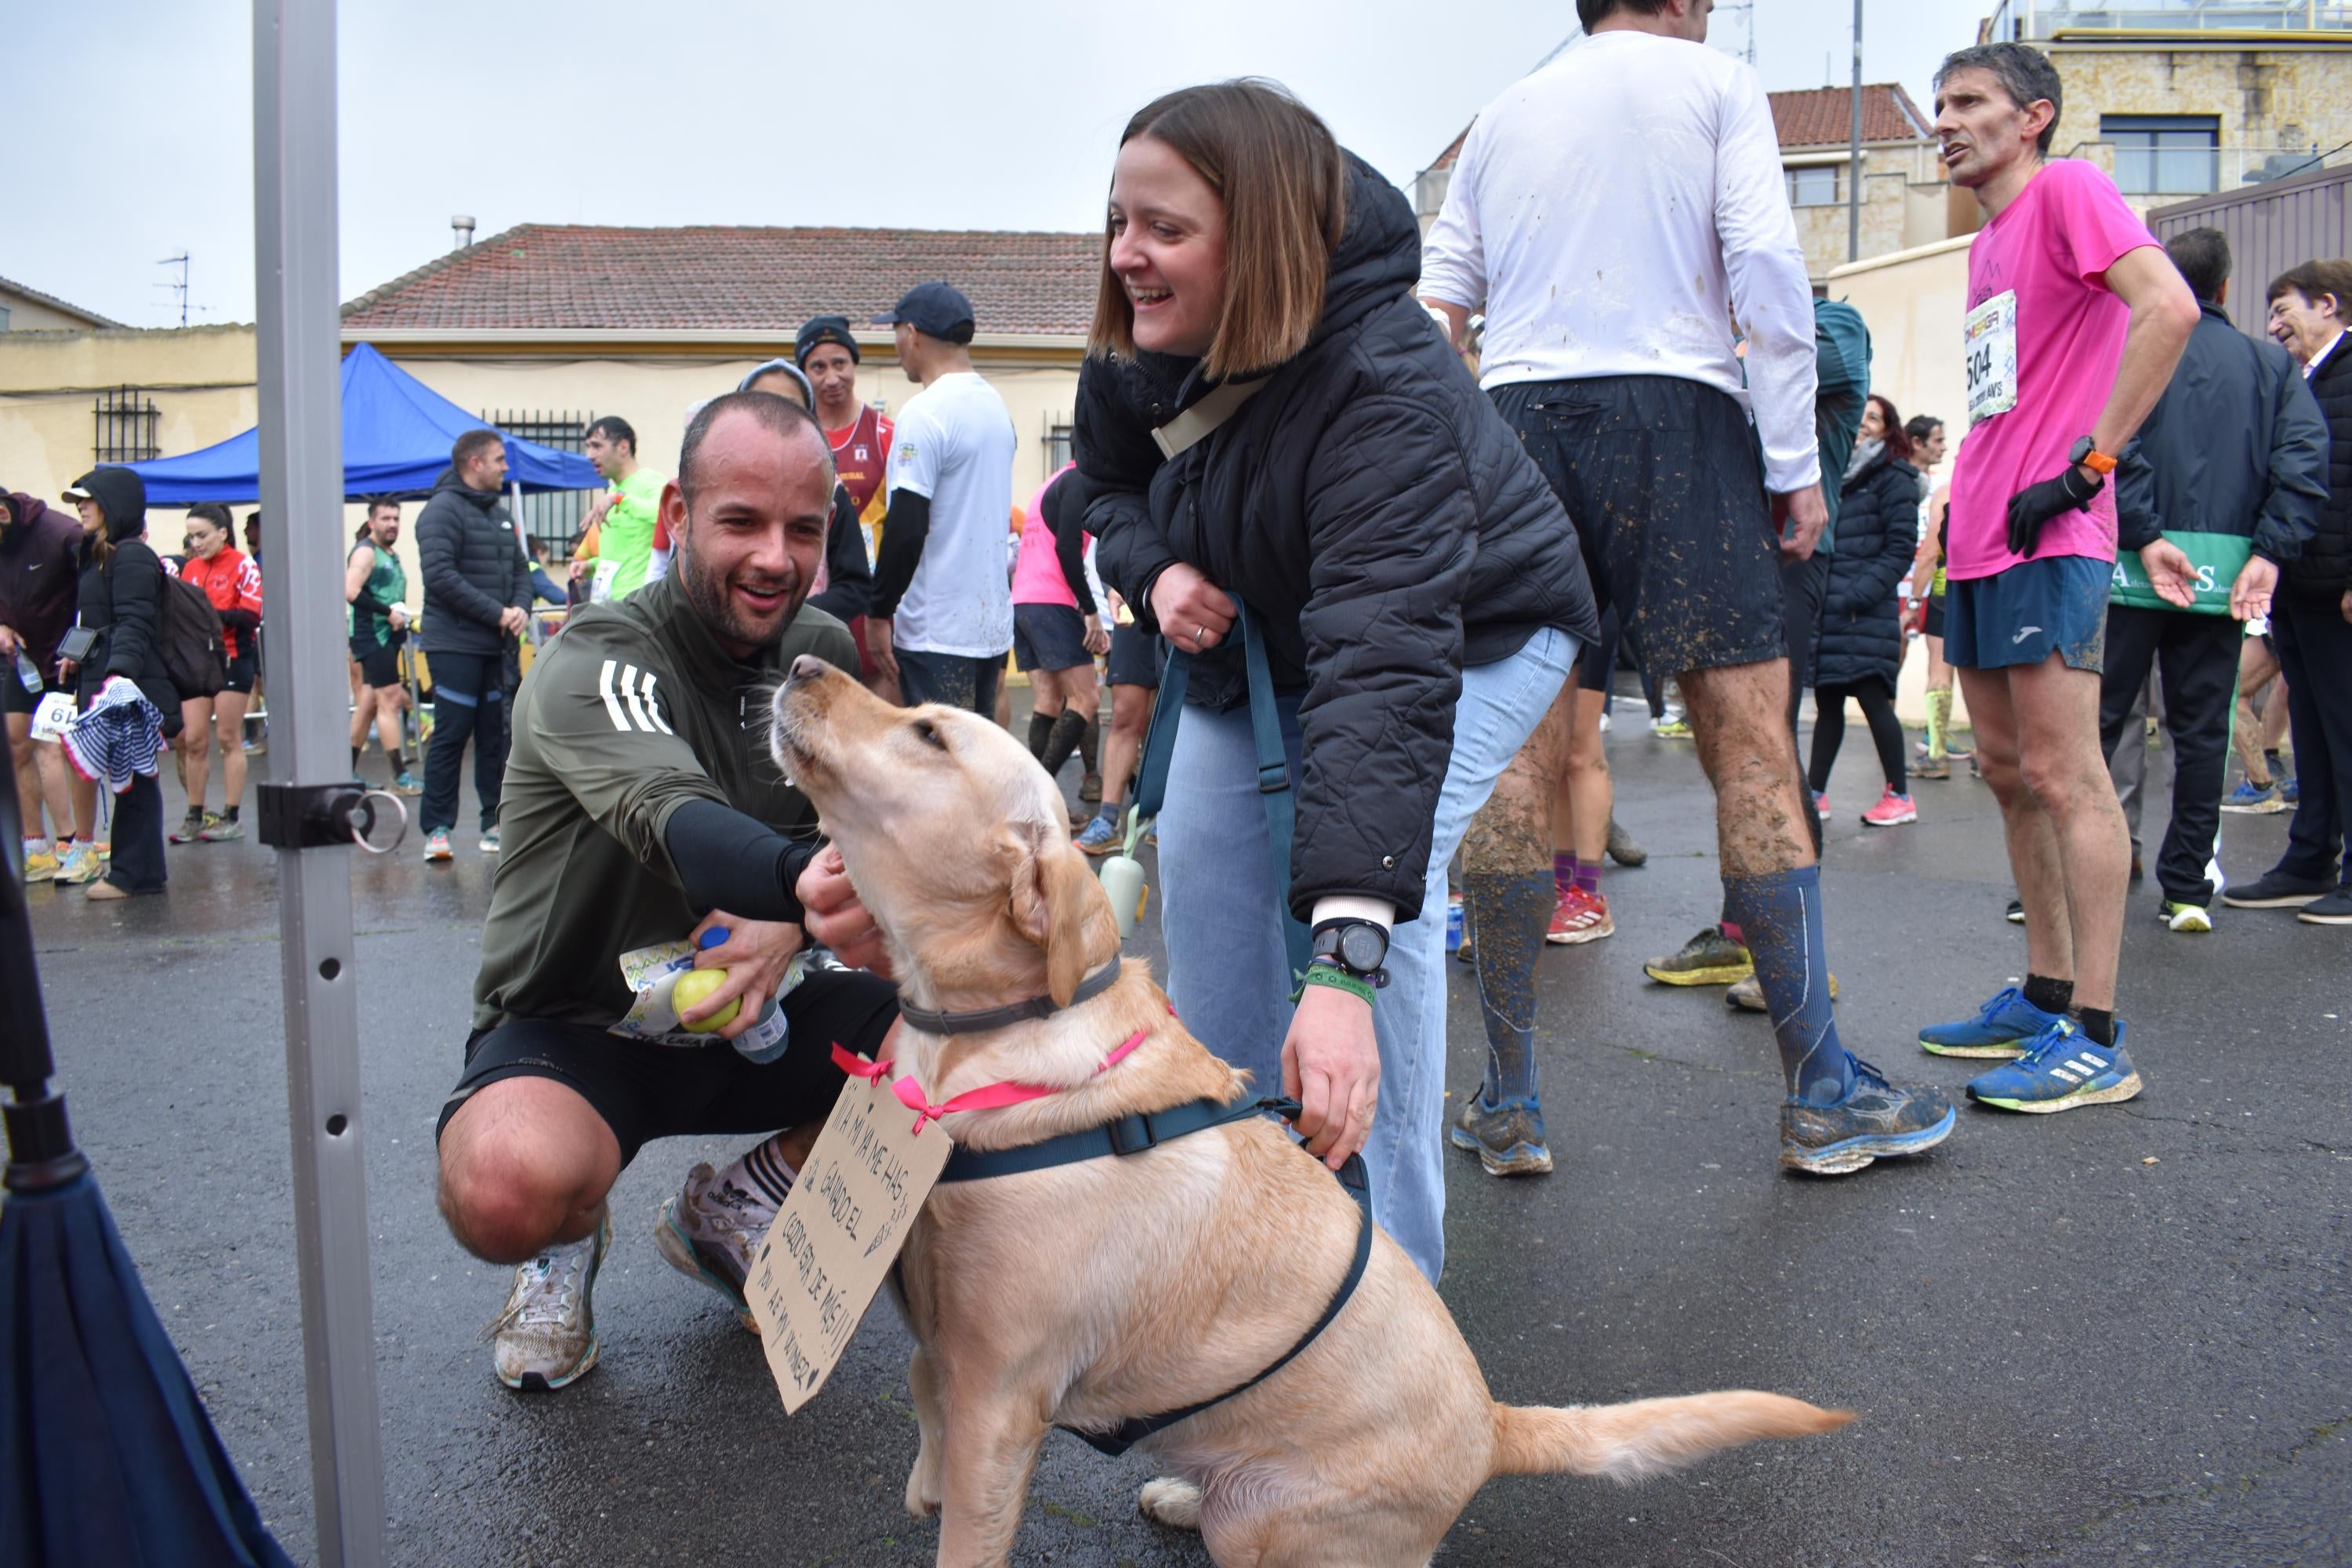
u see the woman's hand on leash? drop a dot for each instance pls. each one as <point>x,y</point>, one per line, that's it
<point>754,955</point>
<point>1193,612</point>
<point>836,919</point>
<point>1332,1066</point>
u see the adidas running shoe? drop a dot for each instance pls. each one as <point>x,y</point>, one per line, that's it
<point>2063,1071</point>
<point>2004,1027</point>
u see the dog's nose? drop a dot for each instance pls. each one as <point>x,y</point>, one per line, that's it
<point>807,667</point>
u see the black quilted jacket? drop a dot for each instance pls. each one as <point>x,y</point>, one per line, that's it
<point>1878,534</point>
<point>1373,508</point>
<point>2325,572</point>
<point>473,567</point>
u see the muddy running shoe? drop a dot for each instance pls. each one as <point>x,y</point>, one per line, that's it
<point>1622,850</point>
<point>222,830</point>
<point>1933,768</point>
<point>1579,917</point>
<point>2290,792</point>
<point>81,863</point>
<point>405,783</point>
<point>437,846</point>
<point>1507,1137</point>
<point>41,865</point>
<point>1709,958</point>
<point>546,1338</point>
<point>1748,994</point>
<point>1893,810</point>
<point>2193,917</point>
<point>1672,727</point>
<point>1877,1120</point>
<point>2063,1071</point>
<point>2246,800</point>
<point>1101,837</point>
<point>2005,1027</point>
<point>711,1231</point>
<point>1090,789</point>
<point>192,827</point>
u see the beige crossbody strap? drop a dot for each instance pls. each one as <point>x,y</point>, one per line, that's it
<point>1192,427</point>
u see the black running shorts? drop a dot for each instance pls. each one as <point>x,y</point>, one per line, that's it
<point>646,1092</point>
<point>1664,480</point>
<point>379,662</point>
<point>1137,658</point>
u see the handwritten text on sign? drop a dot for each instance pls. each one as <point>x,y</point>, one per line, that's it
<point>838,1232</point>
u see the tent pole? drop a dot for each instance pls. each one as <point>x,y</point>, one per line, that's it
<point>299,324</point>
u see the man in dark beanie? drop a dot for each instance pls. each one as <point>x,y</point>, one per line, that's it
<point>860,436</point>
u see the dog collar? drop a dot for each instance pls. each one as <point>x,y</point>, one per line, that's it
<point>986,1018</point>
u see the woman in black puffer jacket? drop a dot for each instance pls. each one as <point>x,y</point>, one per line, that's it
<point>1420,589</point>
<point>122,601</point>
<point>1861,648</point>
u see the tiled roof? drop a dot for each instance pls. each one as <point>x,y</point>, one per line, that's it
<point>760,281</point>
<point>1825,115</point>
<point>1817,117</point>
<point>54,303</point>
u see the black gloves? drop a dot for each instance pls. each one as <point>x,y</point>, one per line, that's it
<point>2032,507</point>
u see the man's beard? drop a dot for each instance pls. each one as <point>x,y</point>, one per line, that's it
<point>715,607</point>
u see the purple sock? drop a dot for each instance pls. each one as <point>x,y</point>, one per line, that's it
<point>1564,873</point>
<point>1588,877</point>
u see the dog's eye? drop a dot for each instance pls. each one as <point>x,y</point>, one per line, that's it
<point>929,733</point>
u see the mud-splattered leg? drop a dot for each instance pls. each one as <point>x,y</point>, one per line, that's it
<point>1509,895</point>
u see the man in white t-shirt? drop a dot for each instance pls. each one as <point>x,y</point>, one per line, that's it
<point>1621,218</point>
<point>942,618</point>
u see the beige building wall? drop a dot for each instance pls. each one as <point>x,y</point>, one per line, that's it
<point>26,314</point>
<point>201,382</point>
<point>2267,99</point>
<point>1902,197</point>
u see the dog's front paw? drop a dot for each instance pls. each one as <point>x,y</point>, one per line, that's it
<point>923,1486</point>
<point>1172,1502</point>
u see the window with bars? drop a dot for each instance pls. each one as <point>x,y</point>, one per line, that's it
<point>1058,449</point>
<point>1813,185</point>
<point>551,517</point>
<point>2165,154</point>
<point>126,421</point>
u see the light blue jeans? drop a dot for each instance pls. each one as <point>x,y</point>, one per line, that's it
<point>1227,972</point>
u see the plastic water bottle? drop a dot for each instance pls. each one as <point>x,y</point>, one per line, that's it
<point>1122,878</point>
<point>28,674</point>
<point>771,1033</point>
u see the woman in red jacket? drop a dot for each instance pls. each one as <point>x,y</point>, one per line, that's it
<point>233,583</point>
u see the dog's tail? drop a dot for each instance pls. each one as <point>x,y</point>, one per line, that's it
<point>1646,1437</point>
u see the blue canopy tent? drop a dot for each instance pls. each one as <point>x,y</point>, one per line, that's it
<point>397,432</point>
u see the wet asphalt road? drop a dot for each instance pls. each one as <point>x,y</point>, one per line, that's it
<point>2119,1335</point>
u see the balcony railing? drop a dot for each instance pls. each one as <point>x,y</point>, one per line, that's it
<point>2028,19</point>
<point>2173,174</point>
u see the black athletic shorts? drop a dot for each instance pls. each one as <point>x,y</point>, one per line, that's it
<point>379,662</point>
<point>1664,480</point>
<point>14,698</point>
<point>1934,627</point>
<point>1052,637</point>
<point>238,673</point>
<point>646,1092</point>
<point>1137,658</point>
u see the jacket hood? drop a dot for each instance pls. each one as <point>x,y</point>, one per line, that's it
<point>450,481</point>
<point>1379,256</point>
<point>23,512</point>
<point>121,495</point>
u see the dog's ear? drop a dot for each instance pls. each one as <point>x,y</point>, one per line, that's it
<point>1059,905</point>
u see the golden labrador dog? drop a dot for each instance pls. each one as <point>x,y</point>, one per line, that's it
<point>1089,1293</point>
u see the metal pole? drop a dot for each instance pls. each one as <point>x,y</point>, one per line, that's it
<point>301,505</point>
<point>1853,153</point>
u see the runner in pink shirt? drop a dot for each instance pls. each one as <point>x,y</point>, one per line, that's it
<point>2077,317</point>
<point>1056,633</point>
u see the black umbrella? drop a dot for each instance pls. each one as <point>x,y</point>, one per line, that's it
<point>106,1455</point>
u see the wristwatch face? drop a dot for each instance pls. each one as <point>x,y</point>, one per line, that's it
<point>1363,947</point>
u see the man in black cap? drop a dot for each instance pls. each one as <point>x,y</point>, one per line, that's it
<point>941,615</point>
<point>860,436</point>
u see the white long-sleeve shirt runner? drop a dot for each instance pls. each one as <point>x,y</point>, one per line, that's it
<point>1614,213</point>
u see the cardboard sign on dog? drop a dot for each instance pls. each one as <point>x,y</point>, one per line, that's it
<point>838,1232</point>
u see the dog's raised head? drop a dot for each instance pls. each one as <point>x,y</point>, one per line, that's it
<point>958,840</point>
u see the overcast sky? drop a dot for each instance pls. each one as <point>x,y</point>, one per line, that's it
<point>917,114</point>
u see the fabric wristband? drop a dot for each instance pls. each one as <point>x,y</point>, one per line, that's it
<point>1339,980</point>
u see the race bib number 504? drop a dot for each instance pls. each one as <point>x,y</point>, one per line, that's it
<point>1992,357</point>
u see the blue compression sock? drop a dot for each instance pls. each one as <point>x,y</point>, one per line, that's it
<point>1510,915</point>
<point>1779,913</point>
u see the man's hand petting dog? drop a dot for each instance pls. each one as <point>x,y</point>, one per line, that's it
<point>836,919</point>
<point>1332,1066</point>
<point>754,956</point>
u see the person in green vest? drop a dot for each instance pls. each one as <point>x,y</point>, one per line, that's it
<point>622,516</point>
<point>375,587</point>
<point>2230,468</point>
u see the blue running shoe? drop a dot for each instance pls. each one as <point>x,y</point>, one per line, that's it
<point>1506,1136</point>
<point>2248,801</point>
<point>2290,792</point>
<point>1101,837</point>
<point>2063,1071</point>
<point>1875,1121</point>
<point>2002,1029</point>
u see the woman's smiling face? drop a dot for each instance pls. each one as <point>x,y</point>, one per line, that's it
<point>1167,248</point>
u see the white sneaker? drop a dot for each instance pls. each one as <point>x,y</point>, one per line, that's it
<point>546,1338</point>
<point>711,1231</point>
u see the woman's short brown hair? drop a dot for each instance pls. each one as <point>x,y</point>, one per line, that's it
<point>1284,182</point>
<point>2314,278</point>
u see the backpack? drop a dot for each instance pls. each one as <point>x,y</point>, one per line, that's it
<point>194,653</point>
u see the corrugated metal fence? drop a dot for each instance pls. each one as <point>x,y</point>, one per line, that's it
<point>2271,227</point>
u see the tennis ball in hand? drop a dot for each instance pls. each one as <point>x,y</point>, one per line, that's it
<point>692,988</point>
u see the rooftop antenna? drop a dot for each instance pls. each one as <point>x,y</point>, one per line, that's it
<point>1746,10</point>
<point>179,285</point>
